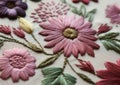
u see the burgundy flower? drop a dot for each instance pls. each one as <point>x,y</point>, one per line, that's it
<point>103,28</point>
<point>19,32</point>
<point>113,12</point>
<point>18,64</point>
<point>12,8</point>
<point>5,30</point>
<point>49,9</point>
<point>110,76</point>
<point>71,34</point>
<point>86,66</point>
<point>84,1</point>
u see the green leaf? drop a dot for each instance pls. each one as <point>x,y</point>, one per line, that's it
<point>55,76</point>
<point>48,62</point>
<point>82,11</point>
<point>109,36</point>
<point>110,44</point>
<point>63,1</point>
<point>84,77</point>
<point>74,10</point>
<point>91,12</point>
<point>91,17</point>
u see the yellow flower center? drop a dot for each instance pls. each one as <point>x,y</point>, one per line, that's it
<point>70,33</point>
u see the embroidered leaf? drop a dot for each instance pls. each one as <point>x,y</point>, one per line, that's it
<point>91,12</point>
<point>82,11</point>
<point>91,17</point>
<point>54,76</point>
<point>86,78</point>
<point>110,43</point>
<point>74,10</point>
<point>1,43</point>
<point>35,48</point>
<point>63,1</point>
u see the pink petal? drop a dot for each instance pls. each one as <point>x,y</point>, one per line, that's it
<point>68,20</point>
<point>68,49</point>
<point>86,25</point>
<point>48,32</point>
<point>106,74</point>
<point>6,72</point>
<point>15,74</point>
<point>58,47</point>
<point>24,75</point>
<point>74,50</point>
<point>52,37</point>
<point>91,37</point>
<point>30,59</point>
<point>118,62</point>
<point>113,67</point>
<point>89,50</point>
<point>109,82</point>
<point>47,26</point>
<point>77,22</point>
<point>54,42</point>
<point>30,71</point>
<point>4,62</point>
<point>88,31</point>
<point>31,65</point>
<point>81,47</point>
<point>56,23</point>
<point>89,42</point>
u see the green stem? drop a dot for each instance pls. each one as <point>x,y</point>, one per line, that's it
<point>65,63</point>
<point>84,77</point>
<point>40,45</point>
<point>7,39</point>
<point>37,41</point>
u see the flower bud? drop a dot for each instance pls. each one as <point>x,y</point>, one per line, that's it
<point>26,25</point>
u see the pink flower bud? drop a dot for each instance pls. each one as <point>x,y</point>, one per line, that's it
<point>103,28</point>
<point>75,1</point>
<point>5,30</point>
<point>19,32</point>
<point>86,66</point>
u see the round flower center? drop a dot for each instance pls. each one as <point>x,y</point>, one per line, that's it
<point>70,33</point>
<point>10,4</point>
<point>17,61</point>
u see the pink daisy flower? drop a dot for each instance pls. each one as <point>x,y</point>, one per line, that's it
<point>18,64</point>
<point>71,34</point>
<point>113,12</point>
<point>110,76</point>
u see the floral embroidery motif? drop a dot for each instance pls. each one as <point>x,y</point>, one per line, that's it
<point>113,12</point>
<point>12,8</point>
<point>110,76</point>
<point>48,10</point>
<point>68,34</point>
<point>18,64</point>
<point>84,1</point>
<point>86,66</point>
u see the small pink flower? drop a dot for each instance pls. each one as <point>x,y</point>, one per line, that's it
<point>86,66</point>
<point>5,29</point>
<point>110,76</point>
<point>49,9</point>
<point>71,34</point>
<point>18,64</point>
<point>103,28</point>
<point>19,32</point>
<point>113,12</point>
